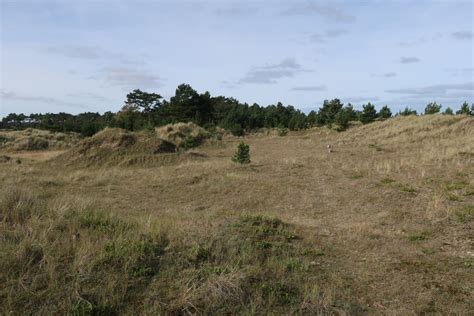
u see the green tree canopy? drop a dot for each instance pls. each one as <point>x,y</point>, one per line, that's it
<point>385,112</point>
<point>138,100</point>
<point>432,108</point>
<point>465,109</point>
<point>369,113</point>
<point>407,111</point>
<point>448,111</point>
<point>327,113</point>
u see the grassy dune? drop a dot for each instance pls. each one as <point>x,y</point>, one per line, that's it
<point>383,224</point>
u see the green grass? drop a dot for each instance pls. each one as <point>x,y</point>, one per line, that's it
<point>453,186</point>
<point>469,191</point>
<point>407,188</point>
<point>418,237</point>
<point>376,147</point>
<point>453,198</point>
<point>465,214</point>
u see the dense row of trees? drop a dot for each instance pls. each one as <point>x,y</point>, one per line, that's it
<point>143,110</point>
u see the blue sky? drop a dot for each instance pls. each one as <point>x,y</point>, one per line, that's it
<point>76,56</point>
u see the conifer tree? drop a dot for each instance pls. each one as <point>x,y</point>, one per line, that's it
<point>432,108</point>
<point>369,113</point>
<point>464,109</point>
<point>242,155</point>
<point>448,111</point>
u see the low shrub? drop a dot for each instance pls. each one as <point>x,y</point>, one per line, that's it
<point>282,131</point>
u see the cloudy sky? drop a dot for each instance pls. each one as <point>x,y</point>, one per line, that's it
<point>76,56</point>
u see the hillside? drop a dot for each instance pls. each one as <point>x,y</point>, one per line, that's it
<point>34,139</point>
<point>382,224</point>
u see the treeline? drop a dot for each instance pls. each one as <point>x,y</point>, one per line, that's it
<point>143,110</point>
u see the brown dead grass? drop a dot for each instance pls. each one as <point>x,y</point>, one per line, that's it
<point>178,132</point>
<point>386,217</point>
<point>34,139</point>
<point>115,146</point>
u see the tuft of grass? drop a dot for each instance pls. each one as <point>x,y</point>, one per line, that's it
<point>453,186</point>
<point>469,191</point>
<point>407,188</point>
<point>17,206</point>
<point>465,214</point>
<point>312,252</point>
<point>418,237</point>
<point>453,198</point>
<point>376,147</point>
<point>387,180</point>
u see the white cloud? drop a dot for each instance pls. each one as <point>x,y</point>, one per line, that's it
<point>270,73</point>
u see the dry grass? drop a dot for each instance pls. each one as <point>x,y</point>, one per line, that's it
<point>114,146</point>
<point>33,139</point>
<point>382,225</point>
<point>181,133</point>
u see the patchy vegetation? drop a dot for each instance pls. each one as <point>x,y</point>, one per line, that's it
<point>33,140</point>
<point>68,258</point>
<point>111,226</point>
<point>64,257</point>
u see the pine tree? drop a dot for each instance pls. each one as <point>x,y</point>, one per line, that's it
<point>242,155</point>
<point>448,111</point>
<point>432,108</point>
<point>369,113</point>
<point>407,111</point>
<point>385,112</point>
<point>464,109</point>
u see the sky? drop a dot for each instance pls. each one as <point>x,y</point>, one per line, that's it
<point>85,56</point>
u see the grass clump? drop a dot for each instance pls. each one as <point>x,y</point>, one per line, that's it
<point>418,237</point>
<point>254,265</point>
<point>454,186</point>
<point>376,147</point>
<point>465,214</point>
<point>453,198</point>
<point>407,188</point>
<point>17,207</point>
<point>387,180</point>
